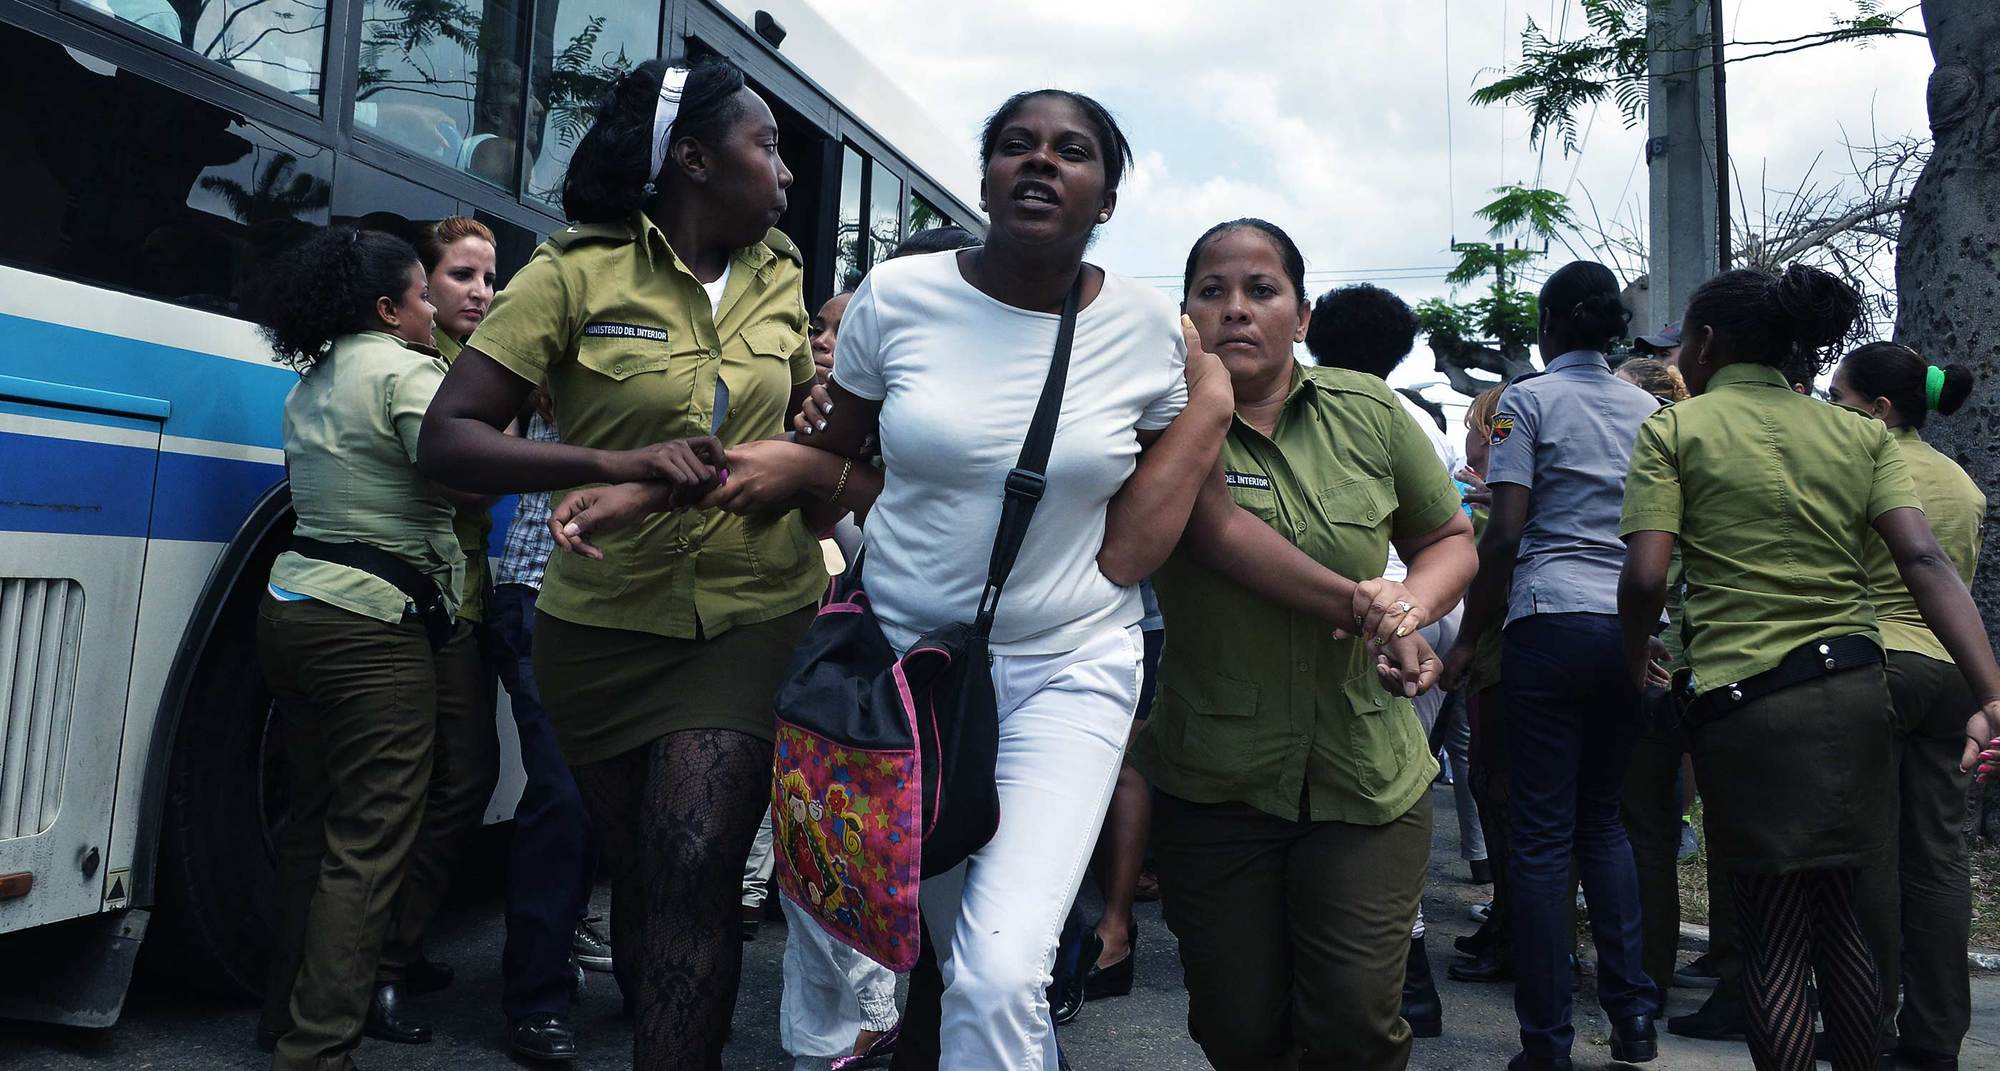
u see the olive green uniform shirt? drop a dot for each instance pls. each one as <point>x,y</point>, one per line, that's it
<point>623,332</point>
<point>474,528</point>
<point>1261,705</point>
<point>1771,495</point>
<point>350,430</point>
<point>1953,505</point>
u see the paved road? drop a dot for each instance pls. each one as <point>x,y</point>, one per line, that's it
<point>172,1031</point>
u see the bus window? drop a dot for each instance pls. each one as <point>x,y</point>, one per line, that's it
<point>119,181</point>
<point>925,216</point>
<point>850,255</point>
<point>444,82</point>
<point>279,42</point>
<point>580,50</point>
<point>885,215</point>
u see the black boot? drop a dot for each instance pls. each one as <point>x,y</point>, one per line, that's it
<point>385,1020</point>
<point>1421,1007</point>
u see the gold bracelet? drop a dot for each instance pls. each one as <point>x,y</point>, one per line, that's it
<point>840,488</point>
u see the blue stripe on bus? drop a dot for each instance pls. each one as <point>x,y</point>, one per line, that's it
<point>68,487</point>
<point>76,487</point>
<point>213,398</point>
<point>207,499</point>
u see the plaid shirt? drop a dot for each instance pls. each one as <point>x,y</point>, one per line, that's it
<point>525,554</point>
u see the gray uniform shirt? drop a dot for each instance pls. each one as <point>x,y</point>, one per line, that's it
<point>1566,435</point>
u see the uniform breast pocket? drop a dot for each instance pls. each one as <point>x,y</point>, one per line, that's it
<point>1253,492</point>
<point>622,356</point>
<point>777,341</point>
<point>1358,512</point>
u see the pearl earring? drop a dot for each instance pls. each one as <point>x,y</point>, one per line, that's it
<point>1104,217</point>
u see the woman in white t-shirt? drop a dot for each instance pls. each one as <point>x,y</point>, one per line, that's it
<point>943,357</point>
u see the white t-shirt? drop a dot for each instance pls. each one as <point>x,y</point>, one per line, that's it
<point>958,375</point>
<point>1448,456</point>
<point>716,288</point>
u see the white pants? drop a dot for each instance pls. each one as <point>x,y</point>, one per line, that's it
<point>757,868</point>
<point>995,919</point>
<point>832,993</point>
<point>1440,634</point>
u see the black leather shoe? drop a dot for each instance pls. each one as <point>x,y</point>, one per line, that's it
<point>1421,1007</point>
<point>1489,967</point>
<point>1115,980</point>
<point>385,1020</point>
<point>1722,1017</point>
<point>1067,993</point>
<point>267,1040</point>
<point>1635,1040</point>
<point>426,976</point>
<point>1524,1062</point>
<point>547,1038</point>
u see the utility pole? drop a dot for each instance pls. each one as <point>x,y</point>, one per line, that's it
<point>1681,160</point>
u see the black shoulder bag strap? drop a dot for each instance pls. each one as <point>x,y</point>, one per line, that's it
<point>1027,480</point>
<point>421,590</point>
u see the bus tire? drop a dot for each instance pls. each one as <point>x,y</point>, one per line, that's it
<point>225,805</point>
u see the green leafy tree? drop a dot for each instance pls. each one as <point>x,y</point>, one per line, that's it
<point>1494,332</point>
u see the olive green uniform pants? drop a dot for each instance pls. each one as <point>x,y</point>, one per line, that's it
<point>1294,936</point>
<point>465,763</point>
<point>1918,914</point>
<point>356,703</point>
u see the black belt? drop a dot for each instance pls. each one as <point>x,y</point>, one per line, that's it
<point>421,590</point>
<point>1820,658</point>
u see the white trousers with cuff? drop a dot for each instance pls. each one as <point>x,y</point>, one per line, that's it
<point>996,918</point>
<point>831,994</point>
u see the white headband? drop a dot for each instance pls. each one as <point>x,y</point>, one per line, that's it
<point>664,112</point>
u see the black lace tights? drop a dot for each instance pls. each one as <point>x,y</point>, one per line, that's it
<point>1795,924</point>
<point>677,817</point>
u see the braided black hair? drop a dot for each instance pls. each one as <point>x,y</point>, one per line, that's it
<point>1117,151</point>
<point>1898,373</point>
<point>1788,322</point>
<point>609,170</point>
<point>326,287</point>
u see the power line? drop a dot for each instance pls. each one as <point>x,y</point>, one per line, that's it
<point>1450,150</point>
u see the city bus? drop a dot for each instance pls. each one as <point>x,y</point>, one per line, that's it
<point>157,154</point>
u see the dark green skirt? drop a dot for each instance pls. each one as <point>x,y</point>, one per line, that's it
<point>1802,779</point>
<point>609,690</point>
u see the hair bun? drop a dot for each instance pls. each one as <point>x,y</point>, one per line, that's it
<point>1958,382</point>
<point>1819,306</point>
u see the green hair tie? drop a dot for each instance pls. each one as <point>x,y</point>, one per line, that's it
<point>1933,387</point>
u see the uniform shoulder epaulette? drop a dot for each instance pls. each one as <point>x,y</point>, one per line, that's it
<point>1524,377</point>
<point>781,243</point>
<point>586,233</point>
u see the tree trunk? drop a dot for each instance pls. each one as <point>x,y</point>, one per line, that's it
<point>1948,259</point>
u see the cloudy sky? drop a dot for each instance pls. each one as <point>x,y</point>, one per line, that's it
<point>1346,121</point>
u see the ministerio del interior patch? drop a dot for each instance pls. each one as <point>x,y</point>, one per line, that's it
<point>1502,427</point>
